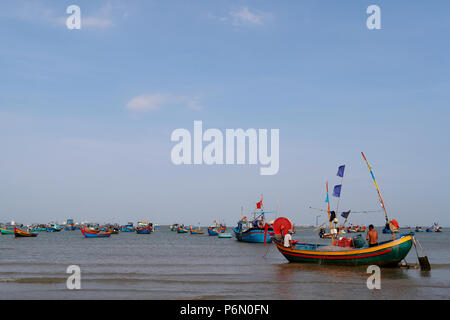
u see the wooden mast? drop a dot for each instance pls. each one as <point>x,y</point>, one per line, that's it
<point>379,193</point>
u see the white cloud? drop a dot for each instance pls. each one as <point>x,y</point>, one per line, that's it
<point>244,16</point>
<point>151,102</point>
<point>147,102</point>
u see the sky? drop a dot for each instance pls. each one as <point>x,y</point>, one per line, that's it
<point>86,115</point>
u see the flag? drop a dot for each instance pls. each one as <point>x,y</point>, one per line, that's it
<point>332,215</point>
<point>327,200</point>
<point>337,190</point>
<point>345,214</point>
<point>259,204</point>
<point>340,172</point>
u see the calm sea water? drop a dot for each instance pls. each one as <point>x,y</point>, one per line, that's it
<point>167,265</point>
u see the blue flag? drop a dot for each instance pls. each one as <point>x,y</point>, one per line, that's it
<point>337,190</point>
<point>327,200</point>
<point>345,214</point>
<point>341,171</point>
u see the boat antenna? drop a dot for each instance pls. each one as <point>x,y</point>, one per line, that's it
<point>379,193</point>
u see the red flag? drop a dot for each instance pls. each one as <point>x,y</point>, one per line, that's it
<point>259,205</point>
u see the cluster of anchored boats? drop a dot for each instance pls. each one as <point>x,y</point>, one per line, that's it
<point>88,230</point>
<point>215,230</point>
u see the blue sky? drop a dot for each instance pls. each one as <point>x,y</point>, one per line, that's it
<point>86,115</point>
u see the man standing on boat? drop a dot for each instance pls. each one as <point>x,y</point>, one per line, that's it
<point>288,239</point>
<point>372,236</point>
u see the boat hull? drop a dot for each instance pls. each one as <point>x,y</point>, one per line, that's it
<point>88,234</point>
<point>144,231</point>
<point>254,235</point>
<point>6,231</point>
<point>212,232</point>
<point>389,253</point>
<point>193,231</point>
<point>22,234</point>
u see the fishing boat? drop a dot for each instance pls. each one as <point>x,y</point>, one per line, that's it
<point>53,228</point>
<point>216,228</point>
<point>127,228</point>
<point>388,253</point>
<point>24,234</point>
<point>174,227</point>
<point>95,234</point>
<point>419,229</point>
<point>141,229</point>
<point>255,230</point>
<point>6,231</point>
<point>213,231</point>
<point>345,251</point>
<point>196,231</point>
<point>182,229</point>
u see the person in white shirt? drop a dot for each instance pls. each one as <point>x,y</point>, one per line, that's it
<point>288,239</point>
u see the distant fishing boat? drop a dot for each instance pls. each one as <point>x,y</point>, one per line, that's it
<point>255,230</point>
<point>127,228</point>
<point>216,228</point>
<point>174,227</point>
<point>147,229</point>
<point>182,229</point>
<point>213,231</point>
<point>6,231</point>
<point>23,234</point>
<point>53,228</point>
<point>94,234</point>
<point>196,231</point>
<point>419,229</point>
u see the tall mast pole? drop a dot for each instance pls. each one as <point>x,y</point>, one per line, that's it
<point>379,193</point>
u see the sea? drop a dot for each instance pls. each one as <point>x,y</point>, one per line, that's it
<point>168,265</point>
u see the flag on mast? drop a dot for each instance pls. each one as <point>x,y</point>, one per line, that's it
<point>337,190</point>
<point>340,172</point>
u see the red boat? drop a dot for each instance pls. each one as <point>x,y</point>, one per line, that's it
<point>95,234</point>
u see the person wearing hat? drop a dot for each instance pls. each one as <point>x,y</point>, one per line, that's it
<point>288,239</point>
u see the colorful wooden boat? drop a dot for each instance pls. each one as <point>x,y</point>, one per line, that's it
<point>254,235</point>
<point>6,231</point>
<point>182,230</point>
<point>127,228</point>
<point>388,253</point>
<point>94,234</point>
<point>212,231</point>
<point>23,234</point>
<point>194,231</point>
<point>144,230</point>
